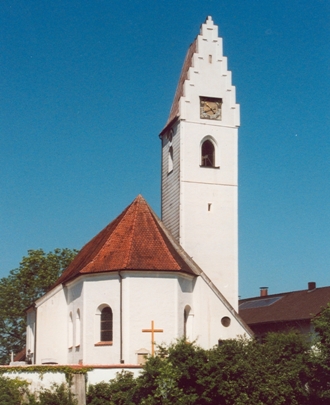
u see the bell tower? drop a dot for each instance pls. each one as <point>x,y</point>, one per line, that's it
<point>199,163</point>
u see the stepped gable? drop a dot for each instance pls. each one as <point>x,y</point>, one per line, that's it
<point>135,240</point>
<point>174,113</point>
<point>195,73</point>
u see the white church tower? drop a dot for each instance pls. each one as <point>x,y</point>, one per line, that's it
<point>199,163</point>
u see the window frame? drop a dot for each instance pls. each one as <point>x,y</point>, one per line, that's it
<point>101,328</point>
<point>208,140</point>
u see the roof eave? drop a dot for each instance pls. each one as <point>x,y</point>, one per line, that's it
<point>168,125</point>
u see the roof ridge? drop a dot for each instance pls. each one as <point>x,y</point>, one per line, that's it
<point>119,219</point>
<point>159,225</point>
<point>259,297</point>
<point>70,272</point>
<point>129,253</point>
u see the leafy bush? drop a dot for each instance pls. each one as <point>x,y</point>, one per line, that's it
<point>12,391</point>
<point>240,371</point>
<point>320,359</point>
<point>119,391</point>
<point>57,395</point>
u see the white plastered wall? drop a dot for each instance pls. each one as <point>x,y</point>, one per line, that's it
<point>209,311</point>
<point>208,210</point>
<point>147,296</point>
<point>75,307</point>
<point>30,332</point>
<point>100,290</point>
<point>52,327</point>
<point>162,297</point>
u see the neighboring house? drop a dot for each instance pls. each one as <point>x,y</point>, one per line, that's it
<point>284,311</point>
<point>142,280</point>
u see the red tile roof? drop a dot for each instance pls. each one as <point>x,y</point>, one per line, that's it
<point>291,306</point>
<point>135,240</point>
<point>20,356</point>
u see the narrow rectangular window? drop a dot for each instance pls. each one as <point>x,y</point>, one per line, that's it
<point>170,160</point>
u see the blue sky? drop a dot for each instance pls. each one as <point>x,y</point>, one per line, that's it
<point>86,87</point>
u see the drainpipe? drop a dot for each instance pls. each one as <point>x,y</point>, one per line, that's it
<point>35,336</point>
<point>121,316</point>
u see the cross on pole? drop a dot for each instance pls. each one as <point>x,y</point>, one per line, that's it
<point>153,331</point>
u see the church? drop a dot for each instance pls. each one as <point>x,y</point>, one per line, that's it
<point>142,281</point>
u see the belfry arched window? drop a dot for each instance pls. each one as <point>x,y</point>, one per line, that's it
<point>208,154</point>
<point>106,325</point>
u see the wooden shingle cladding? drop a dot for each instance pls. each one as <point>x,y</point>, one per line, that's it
<point>171,183</point>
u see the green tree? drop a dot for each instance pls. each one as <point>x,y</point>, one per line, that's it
<point>172,376</point>
<point>58,394</point>
<point>240,371</point>
<point>320,384</point>
<point>119,391</point>
<point>12,391</point>
<point>36,273</point>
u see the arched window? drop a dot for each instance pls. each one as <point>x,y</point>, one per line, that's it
<point>208,154</point>
<point>185,319</point>
<point>77,337</point>
<point>187,322</point>
<point>106,325</point>
<point>70,337</point>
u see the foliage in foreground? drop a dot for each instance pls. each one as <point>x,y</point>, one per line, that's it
<point>36,273</point>
<point>16,392</point>
<point>239,372</point>
<point>12,391</point>
<point>320,358</point>
<point>57,395</point>
<point>284,370</point>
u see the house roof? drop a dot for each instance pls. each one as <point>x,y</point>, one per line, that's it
<point>135,240</point>
<point>284,307</point>
<point>20,356</point>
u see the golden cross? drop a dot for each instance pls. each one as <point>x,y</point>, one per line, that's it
<point>152,330</point>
